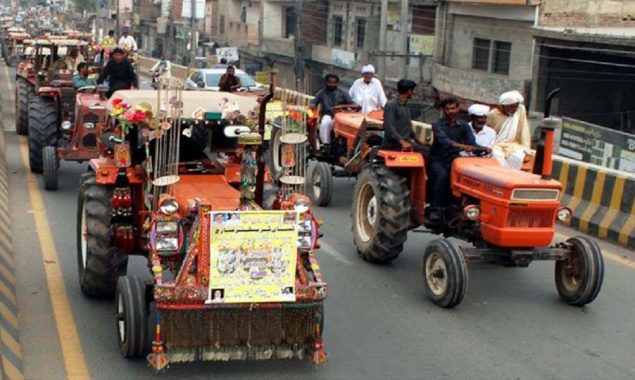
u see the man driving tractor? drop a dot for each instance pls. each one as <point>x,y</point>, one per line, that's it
<point>329,98</point>
<point>81,79</point>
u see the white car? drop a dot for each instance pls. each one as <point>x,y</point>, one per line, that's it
<point>208,79</point>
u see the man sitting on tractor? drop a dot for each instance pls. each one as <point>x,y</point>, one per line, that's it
<point>329,98</point>
<point>451,137</point>
<point>119,72</point>
<point>484,135</point>
<point>367,91</point>
<point>73,59</point>
<point>397,121</point>
<point>513,137</point>
<point>81,79</point>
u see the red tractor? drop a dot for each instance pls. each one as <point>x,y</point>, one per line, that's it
<point>26,79</point>
<point>230,280</point>
<point>507,216</point>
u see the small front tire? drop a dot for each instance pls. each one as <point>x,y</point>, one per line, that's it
<point>579,278</point>
<point>50,165</point>
<point>321,184</point>
<point>444,272</point>
<point>132,316</point>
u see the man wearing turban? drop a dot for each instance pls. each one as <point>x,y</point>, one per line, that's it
<point>513,138</point>
<point>367,91</point>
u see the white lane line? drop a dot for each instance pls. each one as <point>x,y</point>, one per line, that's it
<point>334,253</point>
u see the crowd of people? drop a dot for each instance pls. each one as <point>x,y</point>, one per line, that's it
<point>501,132</point>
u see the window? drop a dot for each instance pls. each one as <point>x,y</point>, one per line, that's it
<point>480,58</point>
<point>290,22</point>
<point>502,51</point>
<point>243,14</point>
<point>338,29</point>
<point>491,56</point>
<point>221,24</point>
<point>361,32</point>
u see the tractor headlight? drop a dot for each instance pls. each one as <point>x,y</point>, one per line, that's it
<point>167,227</point>
<point>66,125</point>
<point>169,206</point>
<point>305,226</point>
<point>472,212</point>
<point>301,206</point>
<point>89,125</point>
<point>167,244</point>
<point>564,214</point>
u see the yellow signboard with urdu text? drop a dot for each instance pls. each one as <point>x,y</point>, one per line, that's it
<point>253,256</point>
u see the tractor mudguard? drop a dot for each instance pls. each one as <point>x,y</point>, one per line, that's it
<point>106,172</point>
<point>48,91</point>
<point>397,159</point>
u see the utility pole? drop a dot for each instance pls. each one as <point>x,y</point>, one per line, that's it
<point>403,36</point>
<point>299,59</point>
<point>193,27</point>
<point>118,35</point>
<point>383,27</point>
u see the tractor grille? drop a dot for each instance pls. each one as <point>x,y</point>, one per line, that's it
<point>528,218</point>
<point>91,118</point>
<point>239,327</point>
<point>89,140</point>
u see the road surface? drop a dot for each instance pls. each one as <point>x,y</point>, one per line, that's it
<point>378,323</point>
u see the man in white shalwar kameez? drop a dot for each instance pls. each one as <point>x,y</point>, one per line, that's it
<point>513,138</point>
<point>367,91</point>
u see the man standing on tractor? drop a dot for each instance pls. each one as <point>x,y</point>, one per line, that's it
<point>329,98</point>
<point>119,72</point>
<point>397,120</point>
<point>513,138</point>
<point>367,91</point>
<point>451,137</point>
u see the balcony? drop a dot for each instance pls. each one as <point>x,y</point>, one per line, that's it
<point>279,46</point>
<point>474,85</point>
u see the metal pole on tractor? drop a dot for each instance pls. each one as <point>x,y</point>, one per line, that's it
<point>299,48</point>
<point>118,35</point>
<point>403,37</point>
<point>383,26</point>
<point>193,29</point>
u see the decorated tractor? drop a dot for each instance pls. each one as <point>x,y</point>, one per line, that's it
<point>51,104</point>
<point>24,87</point>
<point>230,280</point>
<point>13,45</point>
<point>508,216</point>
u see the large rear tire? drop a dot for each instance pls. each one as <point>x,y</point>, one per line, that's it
<point>321,184</point>
<point>132,317</point>
<point>99,263</point>
<point>50,165</point>
<point>444,273</point>
<point>23,93</point>
<point>42,129</point>
<point>380,214</point>
<point>579,278</point>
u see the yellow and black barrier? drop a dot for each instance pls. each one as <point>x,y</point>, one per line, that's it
<point>601,200</point>
<point>10,349</point>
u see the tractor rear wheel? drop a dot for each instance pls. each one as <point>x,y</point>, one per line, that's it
<point>444,273</point>
<point>380,213</point>
<point>42,129</point>
<point>23,92</point>
<point>50,163</point>
<point>99,263</point>
<point>321,184</point>
<point>132,316</point>
<point>579,277</point>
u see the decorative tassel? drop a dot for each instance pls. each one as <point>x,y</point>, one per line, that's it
<point>158,359</point>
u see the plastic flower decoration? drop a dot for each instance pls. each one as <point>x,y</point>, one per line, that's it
<point>141,115</point>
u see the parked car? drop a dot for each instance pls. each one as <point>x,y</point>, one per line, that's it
<point>208,79</point>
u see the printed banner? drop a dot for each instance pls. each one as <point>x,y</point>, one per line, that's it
<point>253,256</point>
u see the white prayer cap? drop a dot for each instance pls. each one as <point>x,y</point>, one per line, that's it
<point>478,110</point>
<point>368,69</point>
<point>511,97</point>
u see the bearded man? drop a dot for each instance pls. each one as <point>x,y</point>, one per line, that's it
<point>513,138</point>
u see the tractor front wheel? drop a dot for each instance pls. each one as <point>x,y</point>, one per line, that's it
<point>321,184</point>
<point>444,273</point>
<point>42,129</point>
<point>50,165</point>
<point>99,263</point>
<point>132,317</point>
<point>579,277</point>
<point>23,92</point>
<point>380,213</point>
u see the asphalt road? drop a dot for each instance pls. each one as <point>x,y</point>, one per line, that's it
<point>378,323</point>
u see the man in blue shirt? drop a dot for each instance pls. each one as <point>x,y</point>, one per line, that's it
<point>451,137</point>
<point>81,79</point>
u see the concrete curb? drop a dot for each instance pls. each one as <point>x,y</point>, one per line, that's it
<point>10,348</point>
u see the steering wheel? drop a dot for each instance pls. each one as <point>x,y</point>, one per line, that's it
<point>481,151</point>
<point>92,89</point>
<point>347,108</point>
<point>243,89</point>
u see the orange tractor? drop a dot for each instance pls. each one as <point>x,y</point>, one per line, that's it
<point>230,280</point>
<point>508,216</point>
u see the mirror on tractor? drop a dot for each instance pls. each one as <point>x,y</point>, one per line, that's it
<point>233,131</point>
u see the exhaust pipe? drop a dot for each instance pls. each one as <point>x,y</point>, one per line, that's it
<point>543,163</point>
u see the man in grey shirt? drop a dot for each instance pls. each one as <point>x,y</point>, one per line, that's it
<point>329,98</point>
<point>397,121</point>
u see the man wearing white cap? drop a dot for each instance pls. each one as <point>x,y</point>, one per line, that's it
<point>513,138</point>
<point>367,91</point>
<point>484,135</point>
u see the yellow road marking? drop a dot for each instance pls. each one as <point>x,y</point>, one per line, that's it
<point>12,372</point>
<point>10,342</point>
<point>9,316</point>
<point>72,351</point>
<point>605,253</point>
